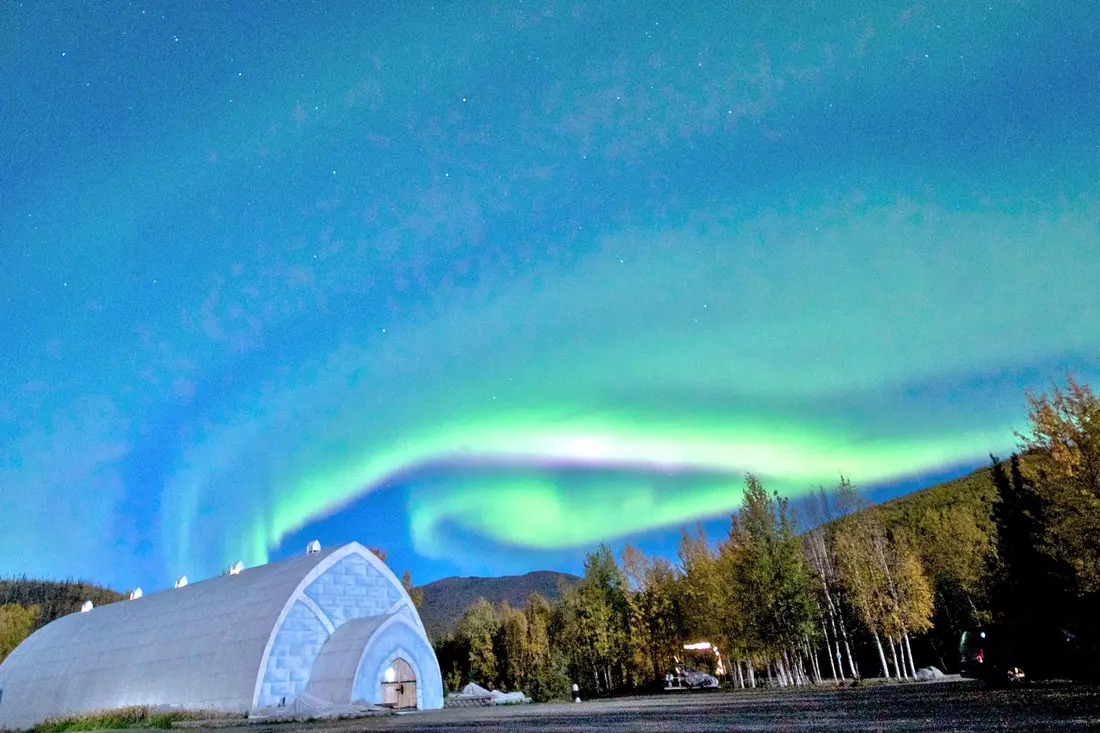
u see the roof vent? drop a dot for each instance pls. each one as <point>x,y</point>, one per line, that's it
<point>313,548</point>
<point>88,606</point>
<point>236,568</point>
<point>182,581</point>
<point>135,594</point>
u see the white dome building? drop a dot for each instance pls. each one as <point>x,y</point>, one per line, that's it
<point>335,624</point>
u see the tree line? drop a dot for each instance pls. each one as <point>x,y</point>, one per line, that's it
<point>774,603</point>
<point>865,590</point>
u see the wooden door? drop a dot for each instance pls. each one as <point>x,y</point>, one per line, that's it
<point>406,695</point>
<point>399,686</point>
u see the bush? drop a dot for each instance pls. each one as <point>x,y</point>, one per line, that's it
<point>132,717</point>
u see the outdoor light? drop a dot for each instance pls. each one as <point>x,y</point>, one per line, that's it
<point>389,674</point>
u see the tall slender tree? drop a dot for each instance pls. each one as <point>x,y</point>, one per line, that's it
<point>820,551</point>
<point>861,575</point>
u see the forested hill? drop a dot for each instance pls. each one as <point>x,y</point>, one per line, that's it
<point>54,599</point>
<point>974,492</point>
<point>445,600</point>
<point>950,526</point>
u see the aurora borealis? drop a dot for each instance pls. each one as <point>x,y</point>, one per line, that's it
<point>489,283</point>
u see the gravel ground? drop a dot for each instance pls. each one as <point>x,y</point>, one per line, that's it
<point>952,706</point>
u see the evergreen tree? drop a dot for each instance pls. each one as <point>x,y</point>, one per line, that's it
<point>54,599</point>
<point>453,655</point>
<point>741,646</point>
<point>1026,579</point>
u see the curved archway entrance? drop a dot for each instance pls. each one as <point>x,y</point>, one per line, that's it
<point>397,639</point>
<point>399,685</point>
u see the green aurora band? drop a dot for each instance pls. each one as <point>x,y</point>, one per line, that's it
<point>637,399</point>
<point>538,516</point>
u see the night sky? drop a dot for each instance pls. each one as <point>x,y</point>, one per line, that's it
<point>486,284</point>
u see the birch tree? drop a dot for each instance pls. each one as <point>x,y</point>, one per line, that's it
<point>886,582</point>
<point>861,577</point>
<point>913,595</point>
<point>818,545</point>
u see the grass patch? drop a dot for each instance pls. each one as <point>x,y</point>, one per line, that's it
<point>138,716</point>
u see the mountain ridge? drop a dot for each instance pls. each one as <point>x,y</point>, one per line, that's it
<point>447,598</point>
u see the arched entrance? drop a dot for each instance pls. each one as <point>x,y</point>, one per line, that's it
<point>382,660</point>
<point>397,639</point>
<point>399,685</point>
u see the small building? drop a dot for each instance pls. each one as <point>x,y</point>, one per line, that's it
<point>335,624</point>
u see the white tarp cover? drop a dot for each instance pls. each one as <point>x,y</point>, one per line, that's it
<point>309,706</point>
<point>505,697</point>
<point>928,674</point>
<point>474,691</point>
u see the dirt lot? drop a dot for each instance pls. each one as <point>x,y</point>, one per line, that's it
<point>956,706</point>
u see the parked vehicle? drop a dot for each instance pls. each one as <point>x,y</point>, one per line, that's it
<point>1018,653</point>
<point>686,678</point>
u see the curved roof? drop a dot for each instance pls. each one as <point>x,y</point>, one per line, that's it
<point>199,646</point>
<point>334,671</point>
